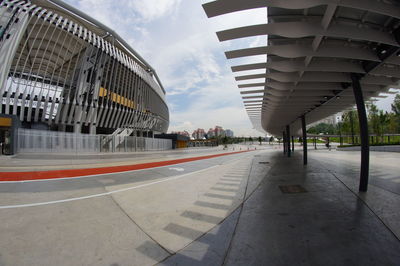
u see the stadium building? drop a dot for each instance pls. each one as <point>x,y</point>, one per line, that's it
<point>64,71</point>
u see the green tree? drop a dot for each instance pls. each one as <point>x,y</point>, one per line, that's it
<point>323,128</point>
<point>350,124</point>
<point>396,105</point>
<point>384,123</point>
<point>392,123</point>
<point>373,120</point>
<point>396,114</point>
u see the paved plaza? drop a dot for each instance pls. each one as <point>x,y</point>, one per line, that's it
<point>252,208</point>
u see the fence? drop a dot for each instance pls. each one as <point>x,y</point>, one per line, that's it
<point>30,140</point>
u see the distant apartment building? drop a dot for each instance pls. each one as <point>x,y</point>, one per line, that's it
<point>198,133</point>
<point>332,120</point>
<point>216,132</point>
<point>229,133</point>
<point>182,133</point>
<point>211,133</point>
<point>219,131</point>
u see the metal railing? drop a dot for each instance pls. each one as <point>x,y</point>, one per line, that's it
<point>36,141</point>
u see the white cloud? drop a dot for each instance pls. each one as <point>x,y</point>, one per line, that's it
<point>385,103</point>
<point>179,41</point>
<point>234,118</point>
<point>217,103</point>
<point>154,9</point>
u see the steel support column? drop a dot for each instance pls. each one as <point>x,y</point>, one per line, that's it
<point>303,127</point>
<point>288,140</point>
<point>292,144</point>
<point>284,142</point>
<point>362,119</point>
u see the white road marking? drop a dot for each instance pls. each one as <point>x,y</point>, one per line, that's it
<point>105,193</point>
<point>383,176</point>
<point>179,169</point>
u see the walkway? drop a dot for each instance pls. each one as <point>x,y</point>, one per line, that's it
<point>228,209</point>
<point>325,225</point>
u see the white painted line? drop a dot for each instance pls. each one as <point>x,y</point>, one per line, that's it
<point>383,176</point>
<point>179,169</point>
<point>103,194</point>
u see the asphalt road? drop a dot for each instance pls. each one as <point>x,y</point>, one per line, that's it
<point>131,218</point>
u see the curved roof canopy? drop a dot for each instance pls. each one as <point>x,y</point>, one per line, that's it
<point>314,49</point>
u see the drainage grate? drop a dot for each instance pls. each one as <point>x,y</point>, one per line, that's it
<point>292,189</point>
<point>263,162</point>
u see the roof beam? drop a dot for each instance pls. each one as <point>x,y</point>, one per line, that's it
<point>301,50</point>
<point>300,29</point>
<point>221,7</point>
<point>326,20</point>
<point>251,92</point>
<point>287,65</point>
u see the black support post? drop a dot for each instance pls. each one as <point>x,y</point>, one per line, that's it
<point>284,142</point>
<point>362,118</point>
<point>288,140</point>
<point>303,127</point>
<point>292,144</point>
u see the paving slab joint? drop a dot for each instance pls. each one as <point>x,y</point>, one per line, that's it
<point>222,221</point>
<point>358,195</point>
<point>240,212</point>
<point>144,232</point>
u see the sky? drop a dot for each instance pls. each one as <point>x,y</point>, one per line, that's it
<point>178,40</point>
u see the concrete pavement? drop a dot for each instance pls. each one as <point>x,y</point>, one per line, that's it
<point>133,218</point>
<point>225,210</point>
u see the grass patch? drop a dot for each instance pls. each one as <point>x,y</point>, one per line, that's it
<point>375,144</point>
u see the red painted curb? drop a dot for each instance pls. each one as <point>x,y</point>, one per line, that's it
<point>54,174</point>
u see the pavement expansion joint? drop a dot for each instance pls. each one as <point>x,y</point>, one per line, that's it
<point>290,189</point>
<point>362,197</point>
<point>206,204</point>
<point>144,231</point>
<point>241,209</point>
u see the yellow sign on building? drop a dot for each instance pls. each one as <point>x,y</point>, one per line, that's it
<point>5,122</point>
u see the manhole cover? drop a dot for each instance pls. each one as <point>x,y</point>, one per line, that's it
<point>263,162</point>
<point>292,189</point>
